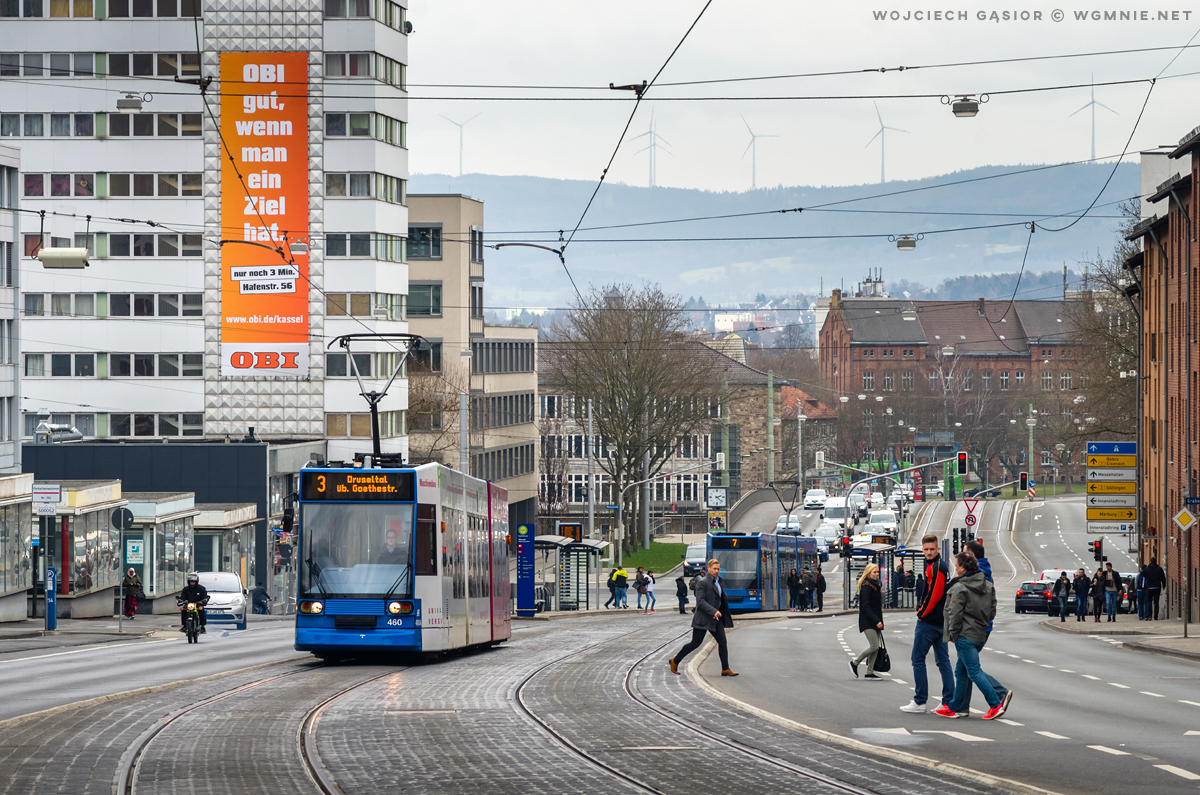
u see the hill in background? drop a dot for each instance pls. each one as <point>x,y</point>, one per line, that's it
<point>827,246</point>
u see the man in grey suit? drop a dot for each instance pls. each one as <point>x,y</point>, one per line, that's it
<point>712,615</point>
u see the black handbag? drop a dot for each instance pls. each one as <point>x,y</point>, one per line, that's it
<point>883,662</point>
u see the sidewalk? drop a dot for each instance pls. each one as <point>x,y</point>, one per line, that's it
<point>30,634</point>
<point>1156,637</point>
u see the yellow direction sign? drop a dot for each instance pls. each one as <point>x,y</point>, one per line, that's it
<point>1111,514</point>
<point>1112,487</point>
<point>1112,460</point>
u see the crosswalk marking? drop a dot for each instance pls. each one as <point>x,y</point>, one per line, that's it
<point>966,738</point>
<point>1112,751</point>
<point>1009,722</point>
<point>1179,771</point>
<point>1052,735</point>
<point>1065,671</point>
<point>1193,703</point>
<point>1047,666</point>
<point>1089,676</point>
<point>1123,687</point>
<point>1148,693</point>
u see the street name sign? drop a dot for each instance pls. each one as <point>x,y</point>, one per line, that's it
<point>1113,448</point>
<point>1107,528</point>
<point>1111,514</point>
<point>1185,519</point>
<point>1096,473</point>
<point>1112,501</point>
<point>1112,461</point>
<point>1127,487</point>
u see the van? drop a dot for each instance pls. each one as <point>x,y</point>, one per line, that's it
<point>838,509</point>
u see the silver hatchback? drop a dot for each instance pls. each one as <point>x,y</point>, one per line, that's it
<point>227,599</point>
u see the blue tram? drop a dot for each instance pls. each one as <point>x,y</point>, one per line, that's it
<point>755,567</point>
<point>401,560</point>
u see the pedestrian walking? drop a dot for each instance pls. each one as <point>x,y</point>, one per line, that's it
<point>651,599</point>
<point>1097,593</point>
<point>681,593</point>
<point>1112,591</point>
<point>970,608</point>
<point>1156,580</point>
<point>1139,585</point>
<point>132,586</point>
<point>621,580</point>
<point>808,584</point>
<point>712,616</point>
<point>963,696</point>
<point>820,591</point>
<point>928,633</point>
<point>1062,593</point>
<point>870,620</point>
<point>793,586</point>
<point>639,585</point>
<point>1082,586</point>
<point>612,590</point>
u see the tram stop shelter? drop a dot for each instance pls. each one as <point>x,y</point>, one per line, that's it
<point>224,537</point>
<point>18,555</point>
<point>546,568</point>
<point>882,555</point>
<point>576,562</point>
<point>904,594</point>
<point>80,541</point>
<point>159,545</point>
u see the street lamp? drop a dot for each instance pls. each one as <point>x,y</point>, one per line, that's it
<point>1031,423</point>
<point>1062,459</point>
<point>800,420</point>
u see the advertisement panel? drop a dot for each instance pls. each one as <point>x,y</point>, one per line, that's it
<point>264,299</point>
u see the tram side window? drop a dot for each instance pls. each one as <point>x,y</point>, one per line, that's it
<point>426,540</point>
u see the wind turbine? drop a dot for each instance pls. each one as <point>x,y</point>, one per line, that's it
<point>883,128</point>
<point>1093,104</point>
<point>460,135</point>
<point>652,147</point>
<point>753,150</point>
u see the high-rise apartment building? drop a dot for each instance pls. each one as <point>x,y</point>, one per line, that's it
<point>235,227</point>
<point>10,320</point>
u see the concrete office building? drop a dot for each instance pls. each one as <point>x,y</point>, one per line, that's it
<point>10,321</point>
<point>169,334</point>
<point>495,365</point>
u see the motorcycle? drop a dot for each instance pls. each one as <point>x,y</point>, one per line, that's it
<point>191,620</point>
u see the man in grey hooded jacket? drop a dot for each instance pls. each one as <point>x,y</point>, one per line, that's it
<point>970,606</point>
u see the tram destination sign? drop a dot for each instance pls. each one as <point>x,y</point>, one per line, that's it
<point>363,485</point>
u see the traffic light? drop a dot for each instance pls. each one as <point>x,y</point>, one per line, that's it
<point>845,546</point>
<point>962,463</point>
<point>1097,548</point>
<point>1024,481</point>
<point>955,548</point>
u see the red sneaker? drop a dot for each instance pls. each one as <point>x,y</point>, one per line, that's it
<point>945,712</point>
<point>994,712</point>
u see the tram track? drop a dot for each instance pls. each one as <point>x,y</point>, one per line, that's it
<point>307,740</point>
<point>631,690</point>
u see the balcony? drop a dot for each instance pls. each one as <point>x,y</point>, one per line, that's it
<point>476,271</point>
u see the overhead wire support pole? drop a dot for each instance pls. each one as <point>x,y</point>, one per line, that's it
<point>373,397</point>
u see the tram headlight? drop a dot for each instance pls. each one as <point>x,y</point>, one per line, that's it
<point>400,608</point>
<point>312,607</point>
<point>394,608</point>
<point>754,593</point>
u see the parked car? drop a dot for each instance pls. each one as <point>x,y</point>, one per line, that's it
<point>933,489</point>
<point>982,492</point>
<point>1033,597</point>
<point>694,559</point>
<point>815,498</point>
<point>228,600</point>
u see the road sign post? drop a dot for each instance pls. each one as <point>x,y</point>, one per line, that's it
<point>1112,487</point>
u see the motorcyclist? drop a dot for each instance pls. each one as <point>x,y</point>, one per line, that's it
<point>193,592</point>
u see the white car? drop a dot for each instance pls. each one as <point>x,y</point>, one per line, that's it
<point>933,490</point>
<point>839,513</point>
<point>227,599</point>
<point>869,532</point>
<point>788,526</point>
<point>883,519</point>
<point>876,499</point>
<point>815,498</point>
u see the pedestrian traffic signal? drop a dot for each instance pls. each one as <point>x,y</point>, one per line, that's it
<point>962,463</point>
<point>846,546</point>
<point>1097,549</point>
<point>1024,481</point>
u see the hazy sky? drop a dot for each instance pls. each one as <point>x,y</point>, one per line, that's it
<point>821,142</point>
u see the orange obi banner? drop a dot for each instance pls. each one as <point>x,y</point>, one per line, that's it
<point>264,299</point>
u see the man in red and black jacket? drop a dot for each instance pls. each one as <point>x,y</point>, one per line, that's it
<point>928,633</point>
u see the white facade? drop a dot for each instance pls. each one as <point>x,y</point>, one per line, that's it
<point>10,320</point>
<point>130,347</point>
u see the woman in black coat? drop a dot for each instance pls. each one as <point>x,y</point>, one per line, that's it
<point>1098,594</point>
<point>681,593</point>
<point>870,619</point>
<point>793,586</point>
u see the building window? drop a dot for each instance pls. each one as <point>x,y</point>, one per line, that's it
<point>1046,459</point>
<point>347,64</point>
<point>1020,374</point>
<point>889,382</point>
<point>1047,381</point>
<point>352,185</point>
<point>348,8</point>
<point>347,304</point>
<point>429,356</point>
<point>477,300</point>
<point>35,364</point>
<point>906,381</point>
<point>424,242</point>
<point>986,380</point>
<point>968,377</point>
<point>868,380</point>
<point>1004,380</point>
<point>476,244</point>
<point>1064,381</point>
<point>347,124</point>
<point>425,300</point>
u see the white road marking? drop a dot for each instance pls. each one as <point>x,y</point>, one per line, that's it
<point>966,738</point>
<point>1179,771</point>
<point>1191,734</point>
<point>1148,693</point>
<point>1009,722</point>
<point>1096,678</point>
<point>1015,656</point>
<point>1193,703</point>
<point>1123,687</point>
<point>899,681</point>
<point>891,731</point>
<point>98,647</point>
<point>1066,671</point>
<point>1047,666</point>
<point>1052,735</point>
<point>1112,751</point>
<point>1029,661</point>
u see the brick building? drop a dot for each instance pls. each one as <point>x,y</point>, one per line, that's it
<point>1167,274</point>
<point>927,378</point>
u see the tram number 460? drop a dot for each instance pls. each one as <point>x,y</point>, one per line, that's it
<point>395,622</point>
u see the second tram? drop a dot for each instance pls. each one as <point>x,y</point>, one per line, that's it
<point>408,559</point>
<point>755,567</point>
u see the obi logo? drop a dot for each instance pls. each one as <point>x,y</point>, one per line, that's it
<point>262,73</point>
<point>264,360</point>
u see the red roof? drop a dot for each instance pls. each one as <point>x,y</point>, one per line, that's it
<point>813,408</point>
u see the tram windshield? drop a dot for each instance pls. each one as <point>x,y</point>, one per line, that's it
<point>739,568</point>
<point>356,550</point>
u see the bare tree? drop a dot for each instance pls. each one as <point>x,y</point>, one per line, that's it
<point>650,381</point>
<point>552,468</point>
<point>433,412</point>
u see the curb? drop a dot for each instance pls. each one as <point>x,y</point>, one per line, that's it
<point>141,691</point>
<point>1159,650</point>
<point>1052,626</point>
<point>948,768</point>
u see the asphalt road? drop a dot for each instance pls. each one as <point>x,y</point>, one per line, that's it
<point>1086,714</point>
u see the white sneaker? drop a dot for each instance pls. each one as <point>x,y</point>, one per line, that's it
<point>914,707</point>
